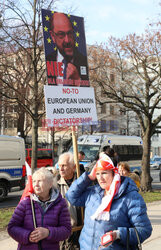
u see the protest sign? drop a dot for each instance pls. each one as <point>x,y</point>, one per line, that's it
<point>70,106</point>
<point>65,49</point>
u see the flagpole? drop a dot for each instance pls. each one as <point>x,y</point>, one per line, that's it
<point>32,206</point>
<point>34,219</point>
<point>29,192</point>
<point>33,211</point>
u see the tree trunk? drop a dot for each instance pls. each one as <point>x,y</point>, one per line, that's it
<point>146,179</point>
<point>21,120</point>
<point>34,144</point>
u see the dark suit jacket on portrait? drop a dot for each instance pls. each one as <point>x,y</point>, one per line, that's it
<point>79,61</point>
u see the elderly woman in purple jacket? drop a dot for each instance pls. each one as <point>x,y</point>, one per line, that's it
<point>51,212</point>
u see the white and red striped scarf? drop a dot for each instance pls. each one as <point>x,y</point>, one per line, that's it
<point>103,211</point>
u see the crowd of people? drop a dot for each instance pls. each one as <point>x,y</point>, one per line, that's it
<point>79,213</point>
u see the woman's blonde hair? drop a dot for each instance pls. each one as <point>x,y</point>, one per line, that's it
<point>125,166</point>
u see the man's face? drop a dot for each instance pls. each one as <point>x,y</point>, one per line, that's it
<point>81,157</point>
<point>65,169</point>
<point>63,35</point>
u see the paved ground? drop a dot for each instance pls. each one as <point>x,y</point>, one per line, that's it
<point>6,243</point>
<point>154,212</point>
<point>154,242</point>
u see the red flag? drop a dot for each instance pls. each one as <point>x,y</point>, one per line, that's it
<point>29,188</point>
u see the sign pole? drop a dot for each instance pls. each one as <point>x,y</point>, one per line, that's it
<point>75,150</point>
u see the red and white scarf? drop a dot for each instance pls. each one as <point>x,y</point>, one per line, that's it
<point>103,211</point>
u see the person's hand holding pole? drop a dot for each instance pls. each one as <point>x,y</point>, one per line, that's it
<point>38,234</point>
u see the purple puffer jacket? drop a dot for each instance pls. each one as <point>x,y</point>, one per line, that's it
<point>56,219</point>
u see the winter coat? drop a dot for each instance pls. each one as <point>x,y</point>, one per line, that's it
<point>63,188</point>
<point>55,217</point>
<point>128,209</point>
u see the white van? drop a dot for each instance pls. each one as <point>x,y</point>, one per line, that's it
<point>129,148</point>
<point>12,164</point>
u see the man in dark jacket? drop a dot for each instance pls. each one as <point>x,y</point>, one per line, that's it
<point>81,156</point>
<point>112,154</point>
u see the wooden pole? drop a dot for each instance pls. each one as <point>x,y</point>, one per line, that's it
<point>75,150</point>
<point>34,219</point>
<point>33,211</point>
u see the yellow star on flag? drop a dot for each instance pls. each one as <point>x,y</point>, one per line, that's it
<point>75,23</point>
<point>68,15</point>
<point>76,44</point>
<point>47,18</point>
<point>55,48</point>
<point>46,28</point>
<point>77,34</point>
<point>52,12</point>
<point>49,40</point>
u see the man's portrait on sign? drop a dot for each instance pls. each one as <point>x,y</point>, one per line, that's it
<point>65,49</point>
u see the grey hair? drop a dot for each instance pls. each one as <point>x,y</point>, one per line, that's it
<point>70,158</point>
<point>44,172</point>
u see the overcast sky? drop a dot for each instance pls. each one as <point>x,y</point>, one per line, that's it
<point>118,18</point>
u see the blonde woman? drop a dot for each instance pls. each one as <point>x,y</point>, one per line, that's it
<point>124,170</point>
